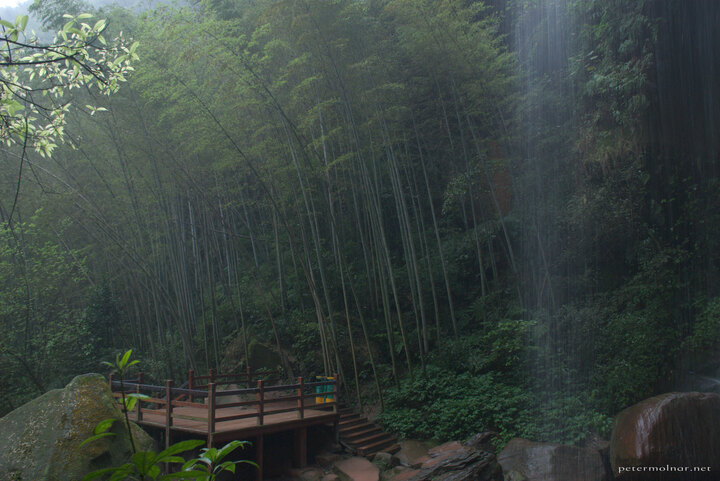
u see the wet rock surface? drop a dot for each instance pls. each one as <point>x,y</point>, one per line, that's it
<point>385,461</point>
<point>357,469</point>
<point>524,460</point>
<point>454,461</point>
<point>40,441</point>
<point>673,430</point>
<point>411,451</point>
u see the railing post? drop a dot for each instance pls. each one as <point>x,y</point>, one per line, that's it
<point>301,398</point>
<point>261,401</point>
<point>191,379</point>
<point>168,411</point>
<point>211,412</point>
<point>212,376</point>
<point>337,391</point>
<point>110,380</point>
<point>141,378</point>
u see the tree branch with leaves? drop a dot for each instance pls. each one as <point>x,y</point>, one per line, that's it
<point>35,77</point>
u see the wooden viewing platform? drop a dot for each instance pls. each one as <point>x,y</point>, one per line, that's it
<point>220,416</point>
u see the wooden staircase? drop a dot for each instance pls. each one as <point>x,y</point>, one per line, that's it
<point>363,437</point>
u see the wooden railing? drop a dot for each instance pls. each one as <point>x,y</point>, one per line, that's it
<point>246,378</point>
<point>259,402</point>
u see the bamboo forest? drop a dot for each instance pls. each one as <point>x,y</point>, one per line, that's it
<point>473,219</point>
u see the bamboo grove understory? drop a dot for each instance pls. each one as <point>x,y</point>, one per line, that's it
<point>364,186</point>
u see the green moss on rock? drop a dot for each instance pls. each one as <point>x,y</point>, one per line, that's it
<point>40,441</point>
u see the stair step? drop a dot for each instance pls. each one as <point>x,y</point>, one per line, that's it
<point>392,449</point>
<point>363,437</point>
<point>359,434</point>
<point>372,438</point>
<point>353,428</point>
<point>351,422</point>
<point>376,447</point>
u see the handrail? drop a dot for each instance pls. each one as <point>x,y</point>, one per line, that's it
<point>229,378</point>
<point>240,375</point>
<point>207,412</point>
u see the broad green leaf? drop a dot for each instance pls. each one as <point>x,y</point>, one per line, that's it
<point>99,473</point>
<point>130,403</point>
<point>228,466</point>
<point>125,358</point>
<point>210,453</point>
<point>186,475</point>
<point>123,473</point>
<point>180,447</point>
<point>144,461</point>
<point>190,464</point>
<point>12,106</point>
<point>228,448</point>
<point>21,21</point>
<point>96,437</point>
<point>103,426</point>
<point>138,395</point>
<point>173,459</point>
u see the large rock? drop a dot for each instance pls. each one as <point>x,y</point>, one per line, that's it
<point>40,441</point>
<point>357,469</point>
<point>454,461</point>
<point>263,357</point>
<point>385,461</point>
<point>671,430</point>
<point>414,453</point>
<point>530,461</point>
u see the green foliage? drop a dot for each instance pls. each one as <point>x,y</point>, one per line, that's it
<point>148,465</point>
<point>46,338</point>
<point>500,346</point>
<point>78,56</point>
<point>304,339</point>
<point>446,405</point>
<point>279,168</point>
<point>706,331</point>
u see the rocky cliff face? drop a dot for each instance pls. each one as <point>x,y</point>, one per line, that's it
<point>40,441</point>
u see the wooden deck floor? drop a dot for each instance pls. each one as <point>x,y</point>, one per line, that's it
<point>209,413</point>
<point>238,428</point>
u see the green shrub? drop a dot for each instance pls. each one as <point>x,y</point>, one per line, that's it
<point>445,405</point>
<point>706,331</point>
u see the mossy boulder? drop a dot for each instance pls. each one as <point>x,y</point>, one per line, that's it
<point>40,441</point>
<point>263,358</point>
